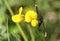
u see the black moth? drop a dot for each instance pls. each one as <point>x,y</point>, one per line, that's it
<point>40,19</point>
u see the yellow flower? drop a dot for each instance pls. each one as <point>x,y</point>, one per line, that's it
<point>34,23</point>
<point>17,18</point>
<point>28,19</point>
<point>30,15</point>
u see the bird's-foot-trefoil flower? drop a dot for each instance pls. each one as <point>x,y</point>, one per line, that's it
<point>18,17</point>
<point>30,15</point>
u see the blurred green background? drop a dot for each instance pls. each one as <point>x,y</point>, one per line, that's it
<point>50,10</point>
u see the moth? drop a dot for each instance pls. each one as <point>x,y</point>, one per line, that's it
<point>40,19</point>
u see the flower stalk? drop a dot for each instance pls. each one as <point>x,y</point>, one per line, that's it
<point>20,29</point>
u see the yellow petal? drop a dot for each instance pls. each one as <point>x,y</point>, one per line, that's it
<point>28,19</point>
<point>20,10</point>
<point>32,14</point>
<point>17,18</point>
<point>34,23</point>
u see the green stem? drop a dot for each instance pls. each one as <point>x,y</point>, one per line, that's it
<point>22,33</point>
<point>31,33</point>
<point>20,29</point>
<point>8,31</point>
<point>7,5</point>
